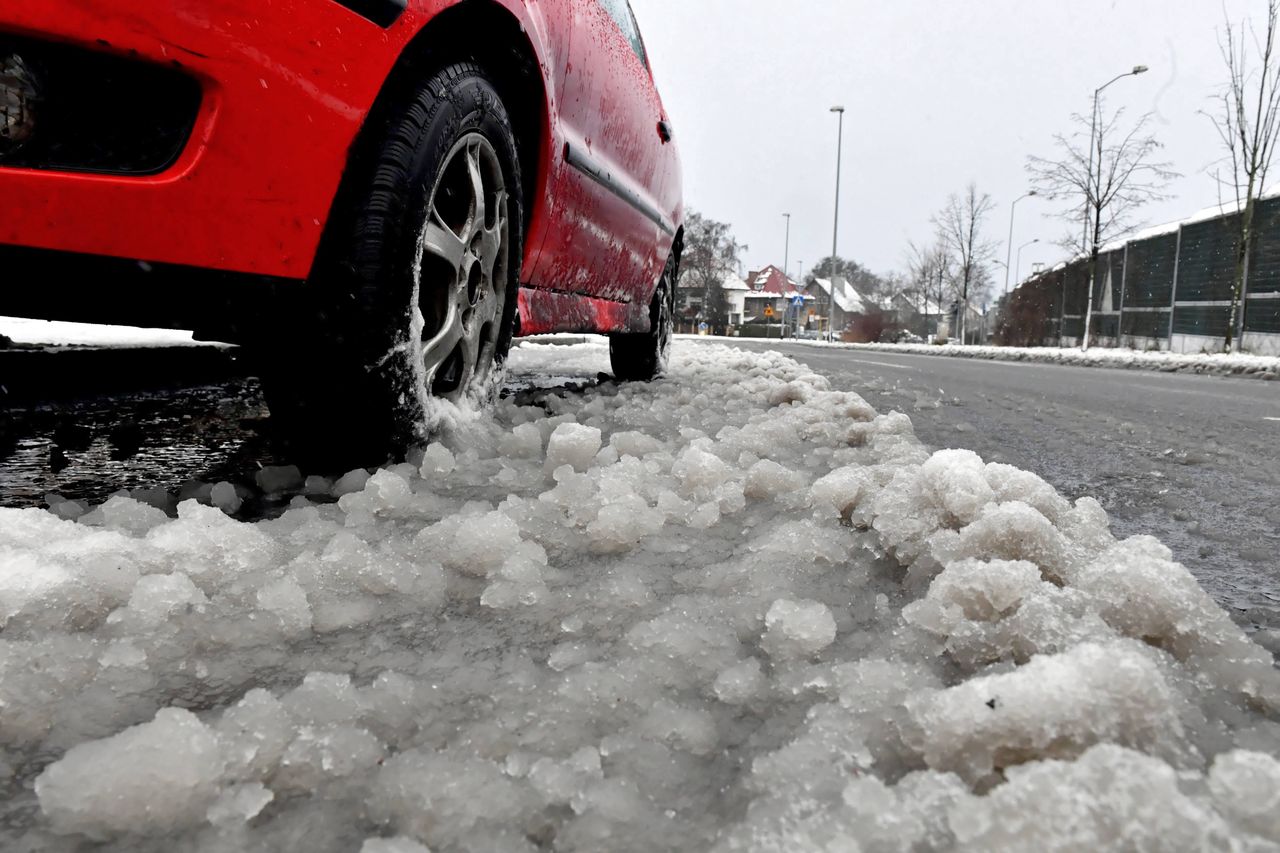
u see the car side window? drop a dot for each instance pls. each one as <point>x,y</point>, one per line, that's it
<point>620,11</point>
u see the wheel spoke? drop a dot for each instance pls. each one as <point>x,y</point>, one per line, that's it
<point>477,186</point>
<point>439,240</point>
<point>492,239</point>
<point>439,348</point>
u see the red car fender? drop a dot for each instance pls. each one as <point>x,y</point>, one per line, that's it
<point>287,87</point>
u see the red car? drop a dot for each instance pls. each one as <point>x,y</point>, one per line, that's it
<point>374,195</point>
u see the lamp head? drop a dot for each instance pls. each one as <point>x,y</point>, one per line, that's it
<point>1140,69</point>
<point>837,109</point>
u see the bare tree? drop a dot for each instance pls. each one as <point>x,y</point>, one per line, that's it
<point>931,277</point>
<point>960,226</point>
<point>1248,121</point>
<point>710,255</point>
<point>1105,175</point>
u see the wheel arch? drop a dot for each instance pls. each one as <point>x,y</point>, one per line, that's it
<point>507,54</point>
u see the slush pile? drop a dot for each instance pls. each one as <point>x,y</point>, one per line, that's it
<point>733,610</point>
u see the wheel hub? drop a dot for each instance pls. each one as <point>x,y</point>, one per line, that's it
<point>463,269</point>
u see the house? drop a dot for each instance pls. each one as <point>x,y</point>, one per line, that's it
<point>920,316</point>
<point>838,301</point>
<point>690,313</point>
<point>770,288</point>
<point>975,327</point>
<point>735,297</point>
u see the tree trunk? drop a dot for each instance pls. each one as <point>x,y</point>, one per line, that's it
<point>1242,261</point>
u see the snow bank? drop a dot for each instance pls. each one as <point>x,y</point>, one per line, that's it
<point>1223,364</point>
<point>58,333</point>
<point>735,610</point>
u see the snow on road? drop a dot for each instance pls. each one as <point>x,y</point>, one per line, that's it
<point>1225,364</point>
<point>58,333</point>
<point>734,610</point>
<point>1222,364</point>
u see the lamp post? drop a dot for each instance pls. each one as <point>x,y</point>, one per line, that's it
<point>1092,197</point>
<point>835,231</point>
<point>786,252</point>
<point>1009,254</point>
<point>1018,273</point>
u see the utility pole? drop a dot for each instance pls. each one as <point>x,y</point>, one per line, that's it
<point>1095,192</point>
<point>835,236</point>
<point>786,252</point>
<point>1009,253</point>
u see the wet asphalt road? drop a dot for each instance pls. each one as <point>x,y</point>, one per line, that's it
<point>1192,460</point>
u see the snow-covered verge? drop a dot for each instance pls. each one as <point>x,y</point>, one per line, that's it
<point>55,333</point>
<point>733,610</point>
<point>1223,364</point>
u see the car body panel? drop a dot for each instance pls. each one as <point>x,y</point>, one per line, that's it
<point>618,181</point>
<point>287,87</point>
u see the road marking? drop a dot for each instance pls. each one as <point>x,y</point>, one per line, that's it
<point>1272,419</point>
<point>887,364</point>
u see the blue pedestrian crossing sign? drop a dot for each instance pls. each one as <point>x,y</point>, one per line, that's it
<point>797,301</point>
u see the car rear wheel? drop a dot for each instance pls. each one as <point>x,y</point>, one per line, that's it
<point>643,357</point>
<point>420,302</point>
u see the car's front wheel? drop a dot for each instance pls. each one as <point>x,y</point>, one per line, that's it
<point>420,302</point>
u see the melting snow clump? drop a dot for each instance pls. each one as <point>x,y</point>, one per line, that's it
<point>734,610</point>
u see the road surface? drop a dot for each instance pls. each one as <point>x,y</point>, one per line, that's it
<point>1192,460</point>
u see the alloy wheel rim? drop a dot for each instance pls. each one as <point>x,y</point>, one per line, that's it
<point>463,269</point>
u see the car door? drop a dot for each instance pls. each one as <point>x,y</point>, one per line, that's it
<point>619,183</point>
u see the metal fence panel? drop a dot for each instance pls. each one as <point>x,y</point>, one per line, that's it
<point>1209,320</point>
<point>1076,284</point>
<point>1110,277</point>
<point>1206,264</point>
<point>1264,260</point>
<point>1151,267</point>
<point>1263,315</point>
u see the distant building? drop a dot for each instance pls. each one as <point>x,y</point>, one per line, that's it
<point>770,288</point>
<point>840,302</point>
<point>690,313</point>
<point>735,297</point>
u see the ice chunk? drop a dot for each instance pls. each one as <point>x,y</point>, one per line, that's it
<point>239,804</point>
<point>1056,706</point>
<point>795,629</point>
<point>574,445</point>
<point>437,460</point>
<point>1246,789</point>
<point>154,778</point>
<point>276,479</point>
<point>225,498</point>
<point>768,479</point>
<point>1111,799</point>
<point>699,472</point>
<point>350,483</point>
<point>740,683</point>
<point>957,482</point>
<point>156,598</point>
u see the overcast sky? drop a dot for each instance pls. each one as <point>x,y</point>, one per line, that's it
<point>938,94</point>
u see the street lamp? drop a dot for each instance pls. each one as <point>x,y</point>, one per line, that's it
<point>1095,187</point>
<point>1009,254</point>
<point>1018,275</point>
<point>835,235</point>
<point>786,252</point>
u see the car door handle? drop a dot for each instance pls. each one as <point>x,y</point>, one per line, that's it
<point>664,130</point>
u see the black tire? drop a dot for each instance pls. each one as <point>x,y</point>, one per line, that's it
<point>362,385</point>
<point>643,356</point>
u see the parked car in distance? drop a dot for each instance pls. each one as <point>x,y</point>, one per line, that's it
<point>373,196</point>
